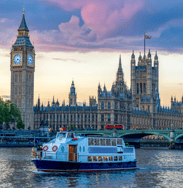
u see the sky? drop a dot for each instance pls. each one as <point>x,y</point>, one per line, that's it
<point>81,40</point>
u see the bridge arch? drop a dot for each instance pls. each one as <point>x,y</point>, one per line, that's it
<point>142,134</point>
<point>178,137</point>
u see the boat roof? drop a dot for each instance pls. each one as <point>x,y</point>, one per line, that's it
<point>75,142</point>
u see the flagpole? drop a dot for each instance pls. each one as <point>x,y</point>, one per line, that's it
<point>144,43</point>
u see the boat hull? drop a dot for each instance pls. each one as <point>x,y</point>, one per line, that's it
<point>64,166</point>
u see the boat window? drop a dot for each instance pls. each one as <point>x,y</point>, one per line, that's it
<point>114,142</point>
<point>115,158</point>
<point>96,141</point>
<point>120,158</point>
<point>94,158</point>
<point>70,135</point>
<point>102,142</point>
<point>105,158</point>
<point>89,158</point>
<point>83,149</point>
<point>80,148</point>
<point>110,158</point>
<point>62,149</point>
<point>61,135</point>
<point>100,158</point>
<point>90,141</point>
<point>108,142</point>
<point>119,141</point>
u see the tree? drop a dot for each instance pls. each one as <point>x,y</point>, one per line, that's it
<point>10,113</point>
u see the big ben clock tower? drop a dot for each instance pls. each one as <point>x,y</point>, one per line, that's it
<point>22,66</point>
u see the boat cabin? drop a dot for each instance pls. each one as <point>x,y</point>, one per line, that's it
<point>69,147</point>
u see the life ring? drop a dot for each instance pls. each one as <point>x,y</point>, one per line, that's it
<point>45,148</point>
<point>54,148</point>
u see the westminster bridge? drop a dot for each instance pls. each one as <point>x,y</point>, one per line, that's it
<point>133,136</point>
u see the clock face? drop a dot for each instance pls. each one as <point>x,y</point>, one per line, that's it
<point>30,60</point>
<point>17,59</point>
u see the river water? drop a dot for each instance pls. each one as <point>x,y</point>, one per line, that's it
<point>157,168</point>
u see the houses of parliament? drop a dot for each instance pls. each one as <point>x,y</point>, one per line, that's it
<point>137,108</point>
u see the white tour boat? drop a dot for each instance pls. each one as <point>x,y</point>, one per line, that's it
<point>70,153</point>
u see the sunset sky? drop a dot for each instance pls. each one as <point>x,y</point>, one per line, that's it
<point>81,40</point>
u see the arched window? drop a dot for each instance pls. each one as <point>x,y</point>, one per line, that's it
<point>109,105</point>
<point>109,117</point>
<point>102,105</point>
<point>137,88</point>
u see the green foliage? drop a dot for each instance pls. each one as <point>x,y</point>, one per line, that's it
<point>10,113</point>
<point>127,144</point>
<point>71,127</point>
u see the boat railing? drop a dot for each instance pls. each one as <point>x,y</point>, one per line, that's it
<point>71,156</point>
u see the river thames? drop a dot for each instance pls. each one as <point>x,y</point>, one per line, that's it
<point>157,168</point>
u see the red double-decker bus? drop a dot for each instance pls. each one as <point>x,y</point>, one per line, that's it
<point>117,126</point>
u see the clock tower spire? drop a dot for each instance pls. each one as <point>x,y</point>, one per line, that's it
<point>22,66</point>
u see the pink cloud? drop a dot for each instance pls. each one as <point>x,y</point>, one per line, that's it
<point>102,16</point>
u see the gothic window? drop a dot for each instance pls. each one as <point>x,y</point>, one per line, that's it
<point>116,118</point>
<point>20,90</point>
<point>64,117</point>
<point>148,108</point>
<point>109,105</point>
<point>20,77</point>
<point>137,88</point>
<point>74,117</point>
<point>71,117</point>
<point>67,118</point>
<point>102,105</point>
<point>19,102</point>
<point>60,117</point>
<point>109,118</point>
<point>102,117</point>
<point>15,90</point>
<point>85,117</point>
<point>16,77</point>
<point>70,101</point>
<point>29,78</point>
<point>88,117</point>
<point>92,118</point>
<point>78,117</point>
<point>57,117</point>
<point>50,117</point>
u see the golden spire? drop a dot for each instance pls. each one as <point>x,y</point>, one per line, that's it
<point>23,10</point>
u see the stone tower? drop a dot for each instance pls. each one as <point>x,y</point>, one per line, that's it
<point>145,82</point>
<point>72,95</point>
<point>22,66</point>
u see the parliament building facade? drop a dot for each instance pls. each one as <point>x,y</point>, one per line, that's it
<point>136,108</point>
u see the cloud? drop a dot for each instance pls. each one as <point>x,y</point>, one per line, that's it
<point>3,20</point>
<point>172,23</point>
<point>62,59</point>
<point>102,16</point>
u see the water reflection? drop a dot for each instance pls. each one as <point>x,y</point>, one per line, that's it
<point>158,168</point>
